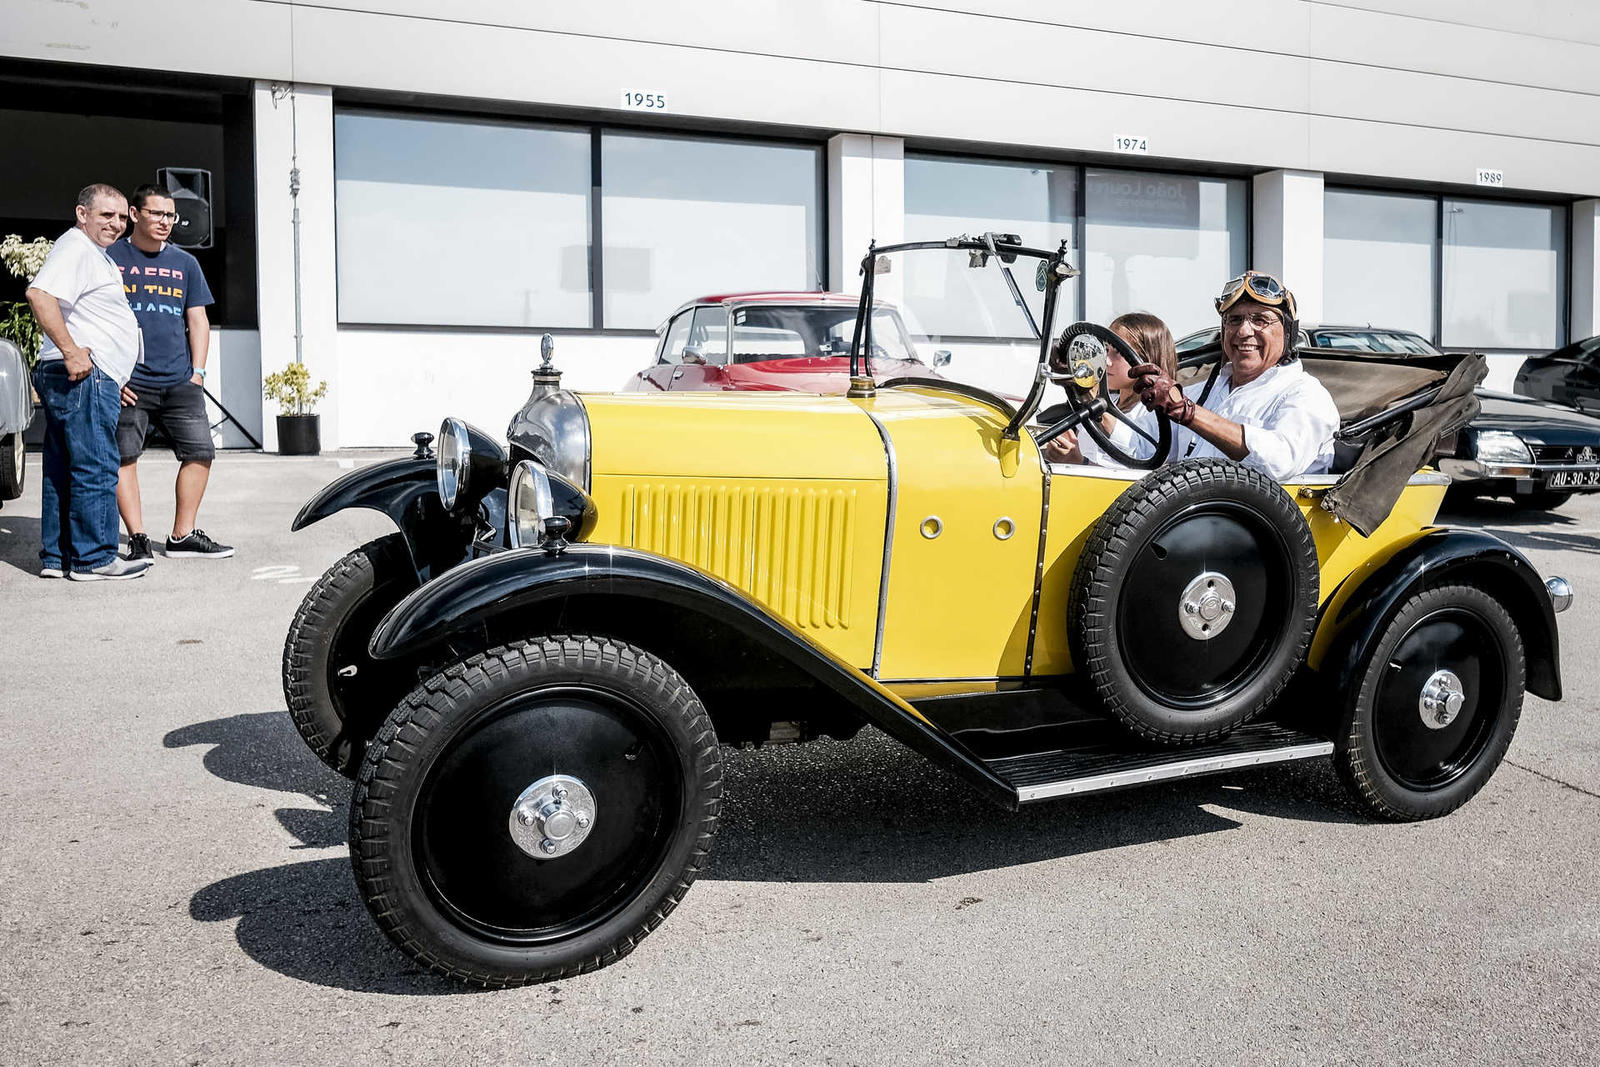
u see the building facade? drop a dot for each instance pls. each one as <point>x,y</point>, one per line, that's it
<point>408,193</point>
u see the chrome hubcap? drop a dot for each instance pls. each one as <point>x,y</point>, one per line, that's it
<point>1206,606</point>
<point>552,817</point>
<point>1441,699</point>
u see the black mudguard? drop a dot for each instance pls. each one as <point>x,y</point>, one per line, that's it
<point>1440,557</point>
<point>499,588</point>
<point>407,491</point>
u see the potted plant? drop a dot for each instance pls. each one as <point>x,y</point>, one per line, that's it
<point>299,429</point>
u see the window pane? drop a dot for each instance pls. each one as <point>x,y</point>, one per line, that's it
<point>446,222</point>
<point>1504,275</point>
<point>949,197</point>
<point>685,218</point>
<point>677,337</point>
<point>1378,259</point>
<point>710,332</point>
<point>1161,243</point>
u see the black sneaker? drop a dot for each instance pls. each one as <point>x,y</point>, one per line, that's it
<point>139,547</point>
<point>196,543</point>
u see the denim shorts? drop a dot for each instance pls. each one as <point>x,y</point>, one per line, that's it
<point>178,411</point>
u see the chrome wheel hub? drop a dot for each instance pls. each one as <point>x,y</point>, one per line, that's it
<point>552,817</point>
<point>1441,699</point>
<point>1206,606</point>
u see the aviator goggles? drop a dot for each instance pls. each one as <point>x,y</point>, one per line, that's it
<point>1262,288</point>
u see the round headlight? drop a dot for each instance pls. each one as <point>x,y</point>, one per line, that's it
<point>532,502</point>
<point>454,451</point>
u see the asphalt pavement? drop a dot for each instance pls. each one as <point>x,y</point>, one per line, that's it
<point>175,886</point>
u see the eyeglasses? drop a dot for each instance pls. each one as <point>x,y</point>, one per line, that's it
<point>160,216</point>
<point>1261,320</point>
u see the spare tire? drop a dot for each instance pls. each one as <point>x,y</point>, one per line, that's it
<point>1194,600</point>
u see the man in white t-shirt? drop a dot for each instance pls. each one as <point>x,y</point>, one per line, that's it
<point>1260,408</point>
<point>92,342</point>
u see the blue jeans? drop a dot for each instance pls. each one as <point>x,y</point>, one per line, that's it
<point>78,499</point>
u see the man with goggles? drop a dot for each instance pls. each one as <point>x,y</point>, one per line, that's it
<point>1260,407</point>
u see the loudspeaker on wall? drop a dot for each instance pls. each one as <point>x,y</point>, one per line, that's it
<point>191,198</point>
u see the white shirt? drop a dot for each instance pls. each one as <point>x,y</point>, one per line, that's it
<point>1288,419</point>
<point>88,286</point>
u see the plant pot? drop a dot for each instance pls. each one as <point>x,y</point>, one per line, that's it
<point>299,435</point>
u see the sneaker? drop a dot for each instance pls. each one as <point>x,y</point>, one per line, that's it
<point>139,547</point>
<point>52,572</point>
<point>196,543</point>
<point>116,570</point>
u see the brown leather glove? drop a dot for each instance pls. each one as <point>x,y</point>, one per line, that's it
<point>1161,394</point>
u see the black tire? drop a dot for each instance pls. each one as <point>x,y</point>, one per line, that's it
<point>1543,500</point>
<point>1398,766</point>
<point>13,466</point>
<point>338,714</point>
<point>1165,533</point>
<point>434,856</point>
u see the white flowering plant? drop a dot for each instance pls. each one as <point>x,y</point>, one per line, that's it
<point>24,258</point>
<point>17,324</point>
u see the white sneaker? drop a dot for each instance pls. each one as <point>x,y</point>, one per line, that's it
<point>116,570</point>
<point>52,572</point>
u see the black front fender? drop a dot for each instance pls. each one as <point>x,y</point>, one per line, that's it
<point>527,586</point>
<point>407,491</point>
<point>1446,556</point>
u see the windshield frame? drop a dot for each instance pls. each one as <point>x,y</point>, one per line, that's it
<point>1005,249</point>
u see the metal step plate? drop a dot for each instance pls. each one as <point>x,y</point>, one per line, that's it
<point>1070,772</point>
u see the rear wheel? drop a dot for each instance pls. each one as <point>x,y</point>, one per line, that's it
<point>337,694</point>
<point>1434,709</point>
<point>1194,600</point>
<point>13,468</point>
<point>536,810</point>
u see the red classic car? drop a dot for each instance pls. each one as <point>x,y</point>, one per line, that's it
<point>793,342</point>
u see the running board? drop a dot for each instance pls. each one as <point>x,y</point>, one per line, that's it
<point>1097,768</point>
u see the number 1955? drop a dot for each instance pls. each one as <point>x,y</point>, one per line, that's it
<point>636,101</point>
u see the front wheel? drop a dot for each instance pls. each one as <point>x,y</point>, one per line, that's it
<point>1433,711</point>
<point>337,694</point>
<point>536,810</point>
<point>13,466</point>
<point>1544,499</point>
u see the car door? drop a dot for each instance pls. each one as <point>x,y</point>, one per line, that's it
<point>705,354</point>
<point>669,354</point>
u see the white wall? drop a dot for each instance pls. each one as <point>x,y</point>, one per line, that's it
<point>1419,89</point>
<point>392,383</point>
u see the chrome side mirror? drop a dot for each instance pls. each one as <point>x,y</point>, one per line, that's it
<point>941,358</point>
<point>693,353</point>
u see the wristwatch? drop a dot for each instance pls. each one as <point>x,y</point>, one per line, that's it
<point>202,372</point>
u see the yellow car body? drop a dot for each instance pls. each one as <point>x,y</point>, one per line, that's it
<point>790,498</point>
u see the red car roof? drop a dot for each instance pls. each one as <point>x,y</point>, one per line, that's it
<point>779,297</point>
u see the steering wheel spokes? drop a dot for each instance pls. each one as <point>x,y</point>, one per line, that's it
<point>1082,372</point>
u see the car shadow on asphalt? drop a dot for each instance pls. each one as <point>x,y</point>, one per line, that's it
<point>19,541</point>
<point>864,810</point>
<point>1521,527</point>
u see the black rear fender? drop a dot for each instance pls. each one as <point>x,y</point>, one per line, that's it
<point>752,666</point>
<point>1447,557</point>
<point>407,491</point>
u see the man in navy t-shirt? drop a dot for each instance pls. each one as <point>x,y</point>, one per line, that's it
<point>169,295</point>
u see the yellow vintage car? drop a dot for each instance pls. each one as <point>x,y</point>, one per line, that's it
<point>535,681</point>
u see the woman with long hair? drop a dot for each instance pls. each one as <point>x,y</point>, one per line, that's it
<point>1149,337</point>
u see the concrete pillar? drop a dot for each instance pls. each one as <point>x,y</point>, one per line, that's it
<point>866,202</point>
<point>1585,270</point>
<point>294,128</point>
<point>1287,228</point>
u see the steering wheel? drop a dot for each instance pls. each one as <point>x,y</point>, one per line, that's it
<point>1088,396</point>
